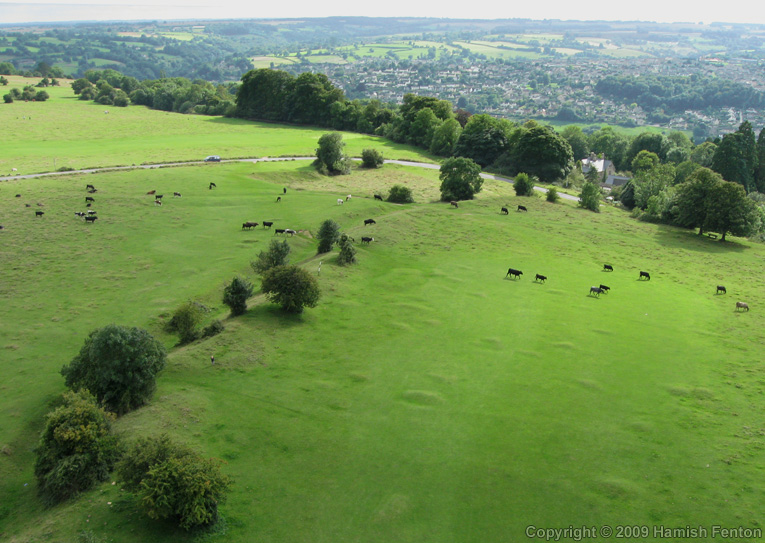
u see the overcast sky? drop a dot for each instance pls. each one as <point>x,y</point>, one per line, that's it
<point>751,11</point>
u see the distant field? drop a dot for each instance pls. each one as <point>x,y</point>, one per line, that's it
<point>495,52</point>
<point>425,387</point>
<point>80,135</point>
<point>265,62</point>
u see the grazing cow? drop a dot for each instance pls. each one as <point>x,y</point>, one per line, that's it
<point>249,224</point>
<point>18,196</point>
<point>39,213</point>
<point>348,197</point>
<point>290,231</point>
<point>157,202</point>
<point>159,196</point>
<point>541,278</point>
<point>212,185</point>
<point>27,205</point>
<point>504,211</point>
<point>608,267</point>
<point>91,219</point>
<point>339,201</point>
<point>151,193</point>
<point>88,205</point>
<point>605,288</point>
<point>92,191</point>
<point>14,169</point>
<point>596,291</point>
<point>742,305</point>
<point>2,227</point>
<point>177,194</point>
<point>89,199</point>
<point>285,190</point>
<point>369,221</point>
<point>267,224</point>
<point>79,214</point>
<point>720,289</point>
<point>454,204</point>
<point>91,212</point>
<point>40,205</point>
<point>644,274</point>
<point>378,197</point>
<point>515,273</point>
<point>90,187</point>
<point>366,239</point>
<point>279,231</point>
<point>522,208</point>
<point>278,198</point>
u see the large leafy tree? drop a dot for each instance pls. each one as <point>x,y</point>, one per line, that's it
<point>731,212</point>
<point>328,235</point>
<point>445,138</point>
<point>291,287</point>
<point>484,139</point>
<point>692,198</point>
<point>77,448</point>
<point>611,145</point>
<point>648,141</point>
<point>736,157</point>
<point>263,94</point>
<point>330,158</point>
<point>172,481</point>
<point>576,138</point>
<point>119,365</point>
<point>541,152</point>
<point>460,179</point>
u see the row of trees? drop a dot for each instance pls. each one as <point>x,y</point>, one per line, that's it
<point>178,94</point>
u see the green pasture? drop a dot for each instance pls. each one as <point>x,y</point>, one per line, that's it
<point>67,132</point>
<point>265,62</point>
<point>427,397</point>
<point>495,52</point>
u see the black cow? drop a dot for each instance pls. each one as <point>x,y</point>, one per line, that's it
<point>279,231</point>
<point>212,185</point>
<point>720,289</point>
<point>597,291</point>
<point>378,197</point>
<point>91,212</point>
<point>88,187</point>
<point>39,213</point>
<point>91,219</point>
<point>18,196</point>
<point>278,198</point>
<point>267,224</point>
<point>285,190</point>
<point>159,196</point>
<point>605,288</point>
<point>91,191</point>
<point>178,194</point>
<point>541,278</point>
<point>89,199</point>
<point>366,239</point>
<point>515,273</point>
<point>504,211</point>
<point>454,204</point>
<point>644,274</point>
<point>369,221</point>
<point>608,267</point>
<point>247,225</point>
<point>522,208</point>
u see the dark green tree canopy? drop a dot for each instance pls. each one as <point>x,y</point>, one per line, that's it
<point>276,255</point>
<point>460,179</point>
<point>291,287</point>
<point>330,158</point>
<point>119,365</point>
<point>540,151</point>
<point>328,235</point>
<point>484,139</point>
<point>236,294</point>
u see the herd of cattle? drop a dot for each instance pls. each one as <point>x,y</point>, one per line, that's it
<point>596,291</point>
<point>90,217</point>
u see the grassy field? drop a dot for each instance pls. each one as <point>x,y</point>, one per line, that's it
<point>67,132</point>
<point>427,397</point>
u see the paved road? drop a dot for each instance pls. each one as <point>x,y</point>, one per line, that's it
<point>256,160</point>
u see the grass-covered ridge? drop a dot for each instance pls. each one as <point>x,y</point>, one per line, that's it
<point>426,398</point>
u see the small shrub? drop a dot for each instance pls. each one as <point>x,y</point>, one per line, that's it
<point>590,197</point>
<point>399,194</point>
<point>185,320</point>
<point>347,251</point>
<point>213,329</point>
<point>291,287</point>
<point>276,255</point>
<point>329,233</point>
<point>371,158</point>
<point>8,98</point>
<point>524,184</point>
<point>76,449</point>
<point>41,96</point>
<point>172,481</point>
<point>236,293</point>
<point>552,195</point>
